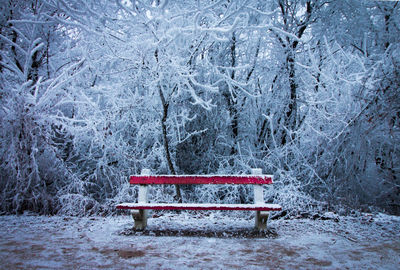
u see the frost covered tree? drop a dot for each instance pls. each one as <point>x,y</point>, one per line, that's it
<point>33,76</point>
<point>360,171</point>
<point>93,91</point>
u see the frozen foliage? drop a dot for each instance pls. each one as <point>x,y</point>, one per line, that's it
<point>93,91</point>
<point>34,77</point>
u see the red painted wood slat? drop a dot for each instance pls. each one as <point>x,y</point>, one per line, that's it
<point>175,206</point>
<point>200,179</point>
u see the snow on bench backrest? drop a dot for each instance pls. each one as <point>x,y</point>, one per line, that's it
<point>200,179</point>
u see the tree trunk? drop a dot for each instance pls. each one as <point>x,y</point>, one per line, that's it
<point>232,103</point>
<point>291,113</point>
<point>166,144</point>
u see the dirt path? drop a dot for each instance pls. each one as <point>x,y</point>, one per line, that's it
<point>37,242</point>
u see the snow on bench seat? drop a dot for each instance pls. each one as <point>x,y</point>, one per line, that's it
<point>200,179</point>
<point>202,206</point>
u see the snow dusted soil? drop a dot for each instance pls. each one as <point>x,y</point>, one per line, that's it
<point>199,241</point>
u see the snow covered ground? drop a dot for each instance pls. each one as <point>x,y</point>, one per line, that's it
<point>200,241</point>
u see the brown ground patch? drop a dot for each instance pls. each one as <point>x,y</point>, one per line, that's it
<point>238,233</point>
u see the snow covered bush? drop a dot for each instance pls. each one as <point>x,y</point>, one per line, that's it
<point>93,91</point>
<point>33,139</point>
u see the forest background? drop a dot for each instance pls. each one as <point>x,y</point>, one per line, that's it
<point>93,91</point>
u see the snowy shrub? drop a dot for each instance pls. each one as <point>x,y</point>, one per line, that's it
<point>93,91</point>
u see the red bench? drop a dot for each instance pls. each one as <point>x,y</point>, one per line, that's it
<point>139,210</point>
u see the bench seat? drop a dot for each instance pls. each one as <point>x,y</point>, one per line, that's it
<point>201,206</point>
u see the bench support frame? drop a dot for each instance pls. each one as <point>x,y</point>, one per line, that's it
<point>261,216</point>
<point>140,215</point>
<point>261,220</point>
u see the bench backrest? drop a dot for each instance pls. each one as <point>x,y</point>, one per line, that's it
<point>200,179</point>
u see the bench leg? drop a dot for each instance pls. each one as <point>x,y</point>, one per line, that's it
<point>261,219</point>
<point>140,217</point>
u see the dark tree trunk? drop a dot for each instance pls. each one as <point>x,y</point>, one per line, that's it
<point>290,120</point>
<point>164,118</point>
<point>165,105</point>
<point>232,103</point>
<point>291,113</point>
